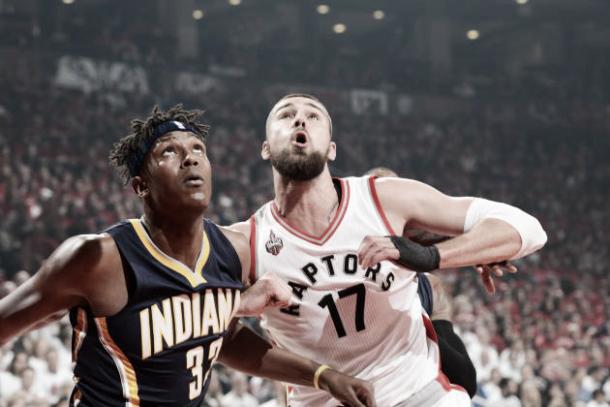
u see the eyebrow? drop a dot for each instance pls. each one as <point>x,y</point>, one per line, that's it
<point>290,104</point>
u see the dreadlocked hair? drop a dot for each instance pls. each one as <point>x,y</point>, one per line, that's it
<point>142,130</point>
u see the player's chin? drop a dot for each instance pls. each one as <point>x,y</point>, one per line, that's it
<point>196,199</point>
<point>200,199</point>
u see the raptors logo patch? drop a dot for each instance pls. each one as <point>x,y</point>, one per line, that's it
<point>274,244</point>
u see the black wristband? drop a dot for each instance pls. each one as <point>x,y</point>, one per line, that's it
<point>415,256</point>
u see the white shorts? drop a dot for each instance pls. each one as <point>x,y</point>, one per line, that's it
<point>439,393</point>
<point>454,398</point>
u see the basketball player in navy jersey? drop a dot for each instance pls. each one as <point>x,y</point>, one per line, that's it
<point>328,239</point>
<point>152,299</point>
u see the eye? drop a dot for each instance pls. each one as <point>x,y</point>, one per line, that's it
<point>169,150</point>
<point>286,114</point>
<point>313,116</point>
<point>199,149</point>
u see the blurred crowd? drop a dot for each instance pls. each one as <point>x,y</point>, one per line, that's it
<point>542,340</point>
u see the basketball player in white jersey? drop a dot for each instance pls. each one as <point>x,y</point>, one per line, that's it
<point>328,239</point>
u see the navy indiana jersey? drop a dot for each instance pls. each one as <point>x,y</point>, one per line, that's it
<point>158,350</point>
<point>424,289</point>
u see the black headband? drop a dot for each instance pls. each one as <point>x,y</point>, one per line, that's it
<point>136,160</point>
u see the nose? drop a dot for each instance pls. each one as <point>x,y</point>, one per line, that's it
<point>190,160</point>
<point>299,120</point>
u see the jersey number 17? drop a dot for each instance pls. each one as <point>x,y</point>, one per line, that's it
<point>327,302</point>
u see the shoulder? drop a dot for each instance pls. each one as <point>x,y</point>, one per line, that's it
<point>84,253</point>
<point>388,187</point>
<point>241,244</point>
<point>80,267</point>
<point>242,228</point>
<point>236,237</point>
<point>442,309</point>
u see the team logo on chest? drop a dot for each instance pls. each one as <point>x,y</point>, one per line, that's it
<point>274,244</point>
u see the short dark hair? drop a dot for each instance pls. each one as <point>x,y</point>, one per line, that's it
<point>308,96</point>
<point>300,95</point>
<point>142,131</point>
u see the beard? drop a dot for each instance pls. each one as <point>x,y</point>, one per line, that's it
<point>297,165</point>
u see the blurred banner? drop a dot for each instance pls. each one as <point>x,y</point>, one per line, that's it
<point>197,83</point>
<point>87,75</point>
<point>366,101</point>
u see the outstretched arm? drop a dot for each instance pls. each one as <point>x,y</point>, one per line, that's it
<point>486,231</point>
<point>247,352</point>
<point>68,278</point>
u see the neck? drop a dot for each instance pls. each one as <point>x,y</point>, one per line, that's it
<point>309,205</point>
<point>179,238</point>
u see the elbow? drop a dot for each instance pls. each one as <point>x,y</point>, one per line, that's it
<point>536,236</point>
<point>533,238</point>
<point>541,237</point>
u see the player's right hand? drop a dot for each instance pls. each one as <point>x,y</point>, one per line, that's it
<point>267,291</point>
<point>488,271</point>
<point>350,391</point>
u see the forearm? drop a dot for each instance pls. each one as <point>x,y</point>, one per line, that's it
<point>532,236</point>
<point>455,360</point>
<point>18,312</point>
<point>489,241</point>
<point>247,352</point>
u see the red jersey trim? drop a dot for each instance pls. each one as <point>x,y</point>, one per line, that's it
<point>441,377</point>
<point>332,227</point>
<point>378,206</point>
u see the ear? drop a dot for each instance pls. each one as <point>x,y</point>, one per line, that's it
<point>265,151</point>
<point>139,186</point>
<point>332,151</point>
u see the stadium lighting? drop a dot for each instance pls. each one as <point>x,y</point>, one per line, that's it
<point>378,14</point>
<point>339,28</point>
<point>472,34</point>
<point>198,14</point>
<point>68,1</point>
<point>323,9</point>
<point>521,2</point>
<point>235,2</point>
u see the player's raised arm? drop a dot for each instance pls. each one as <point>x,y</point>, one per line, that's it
<point>247,352</point>
<point>66,279</point>
<point>486,231</point>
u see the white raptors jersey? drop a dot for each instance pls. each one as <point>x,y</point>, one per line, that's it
<point>365,323</point>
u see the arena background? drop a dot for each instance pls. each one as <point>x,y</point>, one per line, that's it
<point>498,98</point>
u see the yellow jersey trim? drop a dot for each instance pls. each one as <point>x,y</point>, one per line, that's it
<point>194,278</point>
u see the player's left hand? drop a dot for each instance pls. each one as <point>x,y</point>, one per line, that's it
<point>350,391</point>
<point>488,271</point>
<point>267,291</point>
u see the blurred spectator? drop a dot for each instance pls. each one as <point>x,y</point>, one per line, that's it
<point>530,394</point>
<point>239,395</point>
<point>508,394</point>
<point>598,399</point>
<point>213,397</point>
